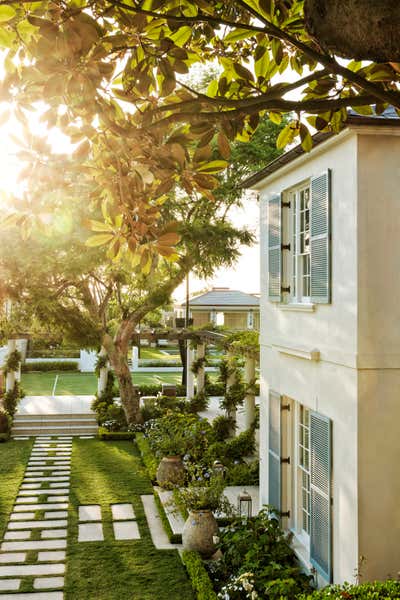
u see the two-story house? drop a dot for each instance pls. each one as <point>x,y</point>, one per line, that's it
<point>330,348</point>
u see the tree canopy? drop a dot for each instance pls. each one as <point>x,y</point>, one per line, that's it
<point>114,77</point>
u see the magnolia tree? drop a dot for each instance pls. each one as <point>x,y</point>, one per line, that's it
<point>108,70</point>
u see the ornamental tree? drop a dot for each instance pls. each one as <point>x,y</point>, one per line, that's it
<point>116,69</point>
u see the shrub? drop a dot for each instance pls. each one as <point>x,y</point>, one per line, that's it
<point>106,435</point>
<point>198,575</point>
<point>222,427</point>
<point>153,390</point>
<point>198,403</point>
<point>365,591</point>
<point>149,459</point>
<point>215,389</point>
<point>5,422</point>
<point>110,415</point>
<point>243,474</point>
<point>59,365</point>
<point>179,434</point>
<point>11,399</point>
<point>258,546</point>
<point>4,437</point>
<point>232,449</point>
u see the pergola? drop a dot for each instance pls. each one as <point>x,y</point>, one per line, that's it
<point>196,350</point>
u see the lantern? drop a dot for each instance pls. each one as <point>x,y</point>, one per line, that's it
<point>245,504</point>
<point>218,468</point>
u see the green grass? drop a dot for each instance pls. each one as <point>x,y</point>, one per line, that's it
<point>104,473</point>
<point>41,384</point>
<point>148,353</point>
<point>13,458</point>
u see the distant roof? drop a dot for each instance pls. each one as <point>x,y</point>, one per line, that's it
<point>389,117</point>
<point>224,297</point>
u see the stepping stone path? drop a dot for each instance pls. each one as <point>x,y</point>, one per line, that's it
<point>38,523</point>
<point>124,524</point>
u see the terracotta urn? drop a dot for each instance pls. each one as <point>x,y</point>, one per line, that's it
<point>199,532</point>
<point>170,472</point>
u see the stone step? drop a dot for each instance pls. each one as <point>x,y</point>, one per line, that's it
<point>69,428</point>
<point>19,417</point>
<point>175,519</point>
<point>34,596</point>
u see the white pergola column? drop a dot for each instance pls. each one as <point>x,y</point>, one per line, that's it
<point>201,373</point>
<point>11,376</point>
<point>189,372</point>
<point>103,375</point>
<point>249,400</point>
<point>135,358</point>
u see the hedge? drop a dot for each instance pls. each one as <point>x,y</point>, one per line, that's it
<point>366,591</point>
<point>201,583</point>
<point>106,435</point>
<point>59,365</point>
<point>149,460</point>
<point>174,538</point>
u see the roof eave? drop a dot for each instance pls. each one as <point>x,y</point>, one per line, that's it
<point>318,138</point>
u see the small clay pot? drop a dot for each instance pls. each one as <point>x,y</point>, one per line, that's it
<point>170,472</point>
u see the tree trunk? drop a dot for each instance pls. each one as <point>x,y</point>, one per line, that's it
<point>357,29</point>
<point>118,356</point>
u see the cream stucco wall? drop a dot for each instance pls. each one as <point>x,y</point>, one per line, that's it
<point>379,353</point>
<point>329,385</point>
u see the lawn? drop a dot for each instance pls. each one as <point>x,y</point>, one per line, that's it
<point>105,473</point>
<point>167,353</point>
<point>13,458</point>
<point>42,383</point>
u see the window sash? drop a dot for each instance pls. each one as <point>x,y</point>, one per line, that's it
<point>300,244</point>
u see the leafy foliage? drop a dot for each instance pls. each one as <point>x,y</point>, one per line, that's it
<point>11,399</point>
<point>365,591</point>
<point>198,576</point>
<point>260,548</point>
<point>142,128</point>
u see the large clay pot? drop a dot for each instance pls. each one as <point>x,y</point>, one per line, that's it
<point>170,472</point>
<point>199,531</point>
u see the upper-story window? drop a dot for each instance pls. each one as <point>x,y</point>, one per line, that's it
<point>299,236</point>
<point>300,288</point>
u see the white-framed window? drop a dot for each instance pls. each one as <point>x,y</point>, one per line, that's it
<point>299,242</point>
<point>303,472</point>
<point>300,276</point>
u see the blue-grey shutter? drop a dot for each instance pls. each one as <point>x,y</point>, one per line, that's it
<point>274,248</point>
<point>274,450</point>
<point>321,519</point>
<point>320,239</point>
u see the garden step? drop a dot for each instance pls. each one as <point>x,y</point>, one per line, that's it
<point>175,519</point>
<point>53,430</point>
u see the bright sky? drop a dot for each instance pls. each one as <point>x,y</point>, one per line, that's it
<point>245,275</point>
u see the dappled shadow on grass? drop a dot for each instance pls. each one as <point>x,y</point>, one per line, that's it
<point>105,473</point>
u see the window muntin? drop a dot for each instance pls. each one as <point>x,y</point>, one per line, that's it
<point>303,468</point>
<point>300,203</point>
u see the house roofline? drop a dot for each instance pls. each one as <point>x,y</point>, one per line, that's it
<point>318,138</point>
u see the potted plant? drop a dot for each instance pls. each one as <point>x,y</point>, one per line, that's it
<point>171,470</point>
<point>173,436</point>
<point>202,498</point>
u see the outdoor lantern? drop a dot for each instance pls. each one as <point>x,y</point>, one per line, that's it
<point>245,504</point>
<point>219,468</point>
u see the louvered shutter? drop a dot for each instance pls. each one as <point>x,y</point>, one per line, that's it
<point>274,450</point>
<point>321,520</point>
<point>274,249</point>
<point>320,238</point>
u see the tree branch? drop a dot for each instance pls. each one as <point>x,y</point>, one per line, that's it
<point>279,105</point>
